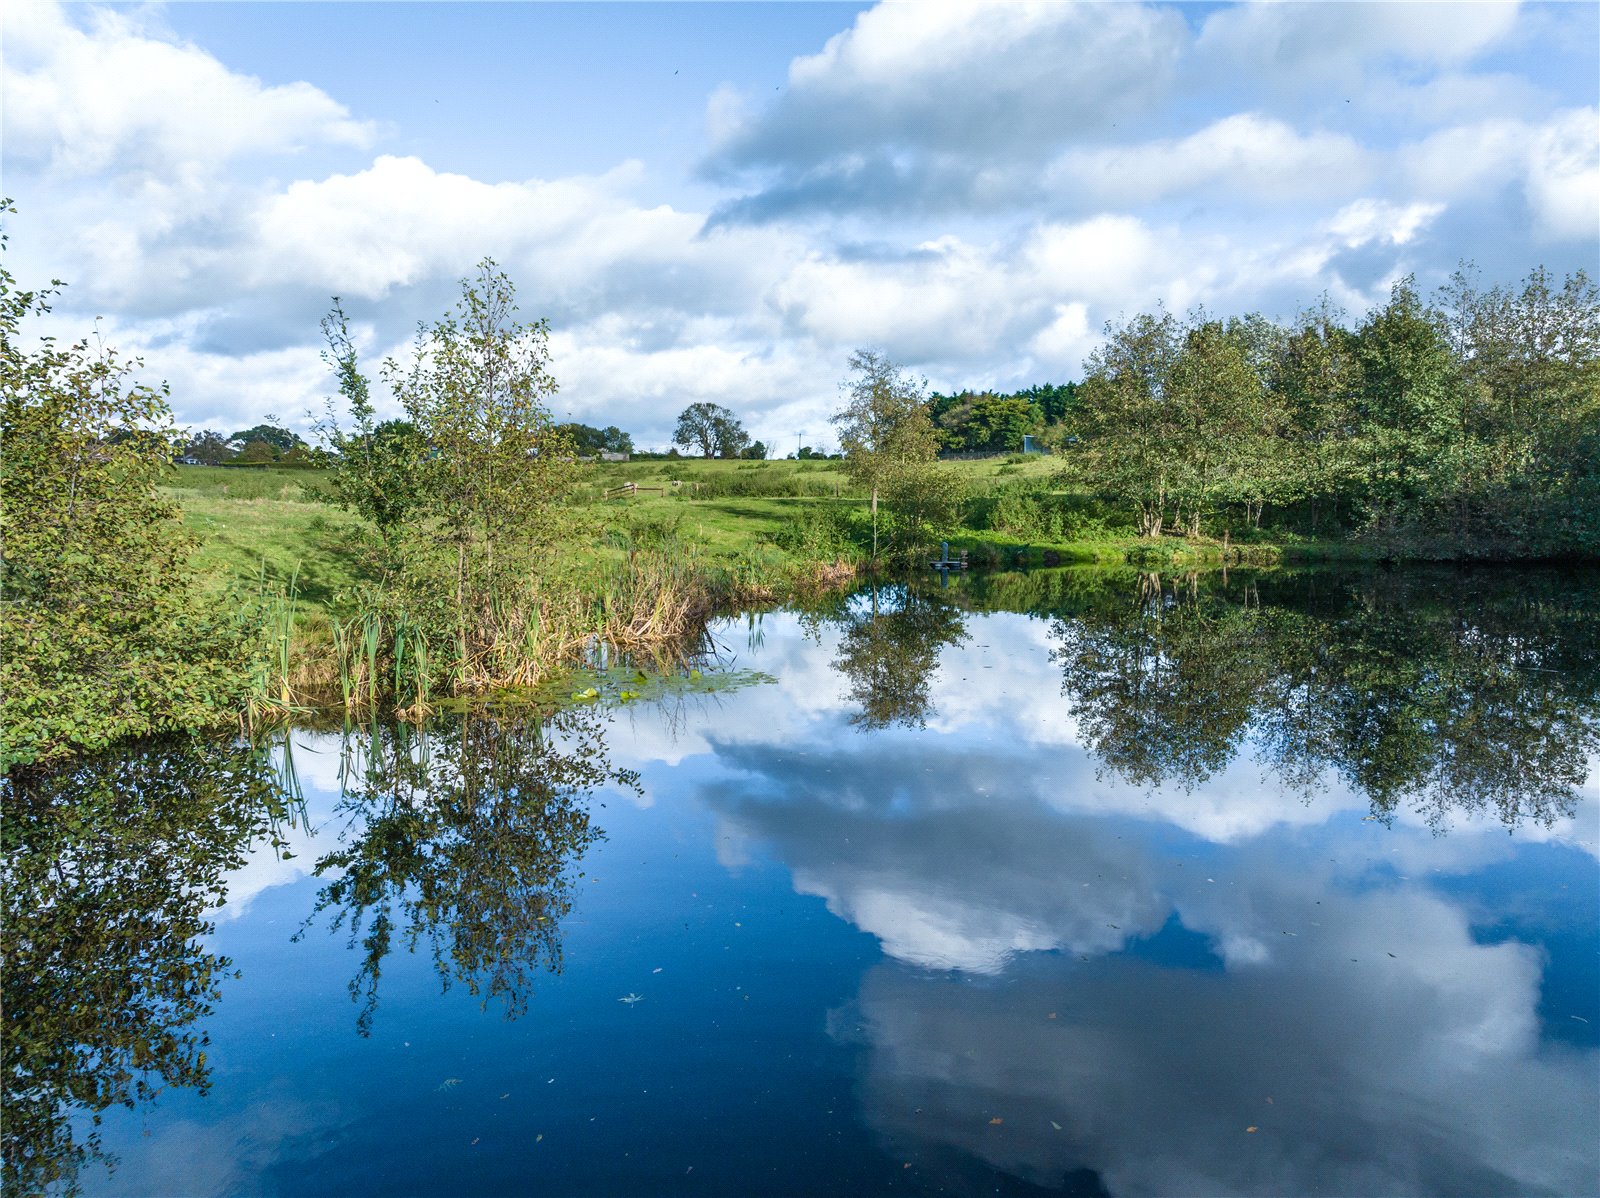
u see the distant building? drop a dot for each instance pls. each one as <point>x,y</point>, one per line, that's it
<point>607,456</point>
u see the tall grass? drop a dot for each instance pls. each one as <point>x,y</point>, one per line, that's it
<point>271,687</point>
<point>652,600</point>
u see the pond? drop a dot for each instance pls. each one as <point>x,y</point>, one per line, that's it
<point>1072,882</point>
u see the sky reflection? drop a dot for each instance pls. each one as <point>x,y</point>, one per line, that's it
<point>953,952</point>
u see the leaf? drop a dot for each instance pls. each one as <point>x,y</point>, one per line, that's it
<point>996,1121</point>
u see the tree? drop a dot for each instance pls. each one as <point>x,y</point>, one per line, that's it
<point>208,447</point>
<point>1130,433</point>
<point>984,422</point>
<point>1413,441</point>
<point>712,428</point>
<point>756,451</point>
<point>589,440</point>
<point>102,636</point>
<point>495,471</point>
<point>373,470</point>
<point>279,440</point>
<point>1530,362</point>
<point>257,453</point>
<point>1315,384</point>
<point>1218,408</point>
<point>890,447</point>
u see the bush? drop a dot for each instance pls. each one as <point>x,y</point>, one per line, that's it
<point>817,533</point>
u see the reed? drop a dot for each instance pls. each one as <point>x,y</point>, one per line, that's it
<point>401,650</point>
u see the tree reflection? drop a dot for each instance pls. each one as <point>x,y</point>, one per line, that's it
<point>465,836</point>
<point>110,868</point>
<point>889,645</point>
<point>1458,693</point>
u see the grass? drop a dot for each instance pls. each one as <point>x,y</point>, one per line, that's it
<point>714,533</point>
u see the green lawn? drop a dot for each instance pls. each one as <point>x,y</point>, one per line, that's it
<point>250,521</point>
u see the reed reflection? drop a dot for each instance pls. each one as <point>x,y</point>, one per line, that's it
<point>465,836</point>
<point>111,868</point>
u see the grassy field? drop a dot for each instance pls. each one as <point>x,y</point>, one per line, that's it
<point>269,523</point>
<point>662,545</point>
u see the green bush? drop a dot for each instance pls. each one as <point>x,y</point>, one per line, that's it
<point>817,533</point>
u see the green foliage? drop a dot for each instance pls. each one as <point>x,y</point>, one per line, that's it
<point>490,490</point>
<point>1467,429</point>
<point>276,440</point>
<point>986,422</point>
<point>111,868</point>
<point>711,428</point>
<point>588,440</point>
<point>816,534</point>
<point>374,470</point>
<point>465,836</point>
<point>890,449</point>
<point>103,637</point>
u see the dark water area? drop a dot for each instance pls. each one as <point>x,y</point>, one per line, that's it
<point>1070,882</point>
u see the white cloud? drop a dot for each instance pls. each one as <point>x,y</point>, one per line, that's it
<point>1257,159</point>
<point>978,79</point>
<point>111,99</point>
<point>1311,45</point>
<point>1564,177</point>
<point>1367,220</point>
<point>982,187</point>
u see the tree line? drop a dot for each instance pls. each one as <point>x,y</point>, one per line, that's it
<point>1472,421</point>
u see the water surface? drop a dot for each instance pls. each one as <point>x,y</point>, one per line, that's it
<point>1062,883</point>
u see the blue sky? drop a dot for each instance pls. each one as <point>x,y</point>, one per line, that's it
<point>719,202</point>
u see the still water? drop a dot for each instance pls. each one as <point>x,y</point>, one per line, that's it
<point>1070,883</point>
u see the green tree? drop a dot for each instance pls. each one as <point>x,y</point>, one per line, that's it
<point>1130,435</point>
<point>1413,442</point>
<point>1530,360</point>
<point>208,447</point>
<point>280,440</point>
<point>102,637</point>
<point>984,422</point>
<point>711,428</point>
<point>373,470</point>
<point>257,453</point>
<point>586,439</point>
<point>890,448</point>
<point>1315,385</point>
<point>495,474</point>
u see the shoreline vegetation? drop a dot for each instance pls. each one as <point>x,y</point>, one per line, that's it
<point>470,548</point>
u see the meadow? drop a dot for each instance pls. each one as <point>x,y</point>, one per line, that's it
<point>782,519</point>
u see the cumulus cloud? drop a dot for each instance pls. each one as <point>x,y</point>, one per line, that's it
<point>975,189</point>
<point>1312,46</point>
<point>1255,158</point>
<point>113,99</point>
<point>978,81</point>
